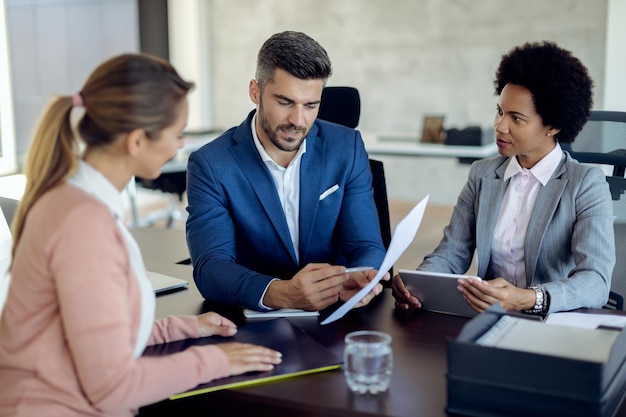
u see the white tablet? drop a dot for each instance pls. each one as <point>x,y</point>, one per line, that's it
<point>437,291</point>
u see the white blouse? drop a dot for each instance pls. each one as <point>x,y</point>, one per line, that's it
<point>509,235</point>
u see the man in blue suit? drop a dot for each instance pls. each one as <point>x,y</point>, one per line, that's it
<point>281,204</point>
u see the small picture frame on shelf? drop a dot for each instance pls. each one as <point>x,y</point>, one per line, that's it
<point>432,129</point>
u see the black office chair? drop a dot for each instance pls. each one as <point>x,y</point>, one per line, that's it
<point>603,142</point>
<point>380,199</point>
<point>616,302</point>
<point>174,185</point>
<point>342,105</point>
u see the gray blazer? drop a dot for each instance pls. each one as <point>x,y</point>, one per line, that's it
<point>570,244</point>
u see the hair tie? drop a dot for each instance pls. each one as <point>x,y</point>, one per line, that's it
<point>77,100</point>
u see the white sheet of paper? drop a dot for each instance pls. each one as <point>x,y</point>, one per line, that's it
<point>402,237</point>
<point>586,321</point>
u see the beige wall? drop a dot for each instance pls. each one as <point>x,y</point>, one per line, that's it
<point>407,57</point>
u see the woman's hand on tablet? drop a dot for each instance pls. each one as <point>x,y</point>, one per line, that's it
<point>404,299</point>
<point>480,295</point>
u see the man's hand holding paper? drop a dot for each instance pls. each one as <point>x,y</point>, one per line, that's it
<point>402,237</point>
<point>359,280</point>
<point>318,286</point>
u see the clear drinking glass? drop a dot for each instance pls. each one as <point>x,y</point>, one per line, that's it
<point>368,360</point>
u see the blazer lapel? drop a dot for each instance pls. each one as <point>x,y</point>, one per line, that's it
<point>261,182</point>
<point>311,171</point>
<point>547,200</point>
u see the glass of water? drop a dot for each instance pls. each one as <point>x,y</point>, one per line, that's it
<point>368,360</point>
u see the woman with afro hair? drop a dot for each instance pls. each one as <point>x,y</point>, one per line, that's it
<point>541,223</point>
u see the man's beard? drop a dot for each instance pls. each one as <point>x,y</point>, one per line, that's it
<point>272,135</point>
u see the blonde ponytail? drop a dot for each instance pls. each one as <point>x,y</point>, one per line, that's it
<point>124,93</point>
<point>52,156</point>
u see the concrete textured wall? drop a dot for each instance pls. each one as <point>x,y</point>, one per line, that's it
<point>408,58</point>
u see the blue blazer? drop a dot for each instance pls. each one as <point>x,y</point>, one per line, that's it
<point>237,232</point>
<point>569,246</point>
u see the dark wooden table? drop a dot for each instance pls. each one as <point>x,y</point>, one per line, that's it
<point>418,384</point>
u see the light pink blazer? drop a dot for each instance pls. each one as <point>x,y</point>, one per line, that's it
<point>71,317</point>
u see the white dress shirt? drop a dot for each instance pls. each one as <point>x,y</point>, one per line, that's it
<point>507,251</point>
<point>287,181</point>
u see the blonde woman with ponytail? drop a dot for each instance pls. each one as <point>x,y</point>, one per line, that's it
<point>80,309</point>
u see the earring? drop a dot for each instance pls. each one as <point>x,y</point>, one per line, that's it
<point>549,134</point>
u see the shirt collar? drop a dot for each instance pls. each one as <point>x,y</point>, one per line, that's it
<point>542,170</point>
<point>90,180</point>
<point>264,155</point>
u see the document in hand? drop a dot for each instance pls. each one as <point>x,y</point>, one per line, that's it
<point>301,354</point>
<point>402,237</point>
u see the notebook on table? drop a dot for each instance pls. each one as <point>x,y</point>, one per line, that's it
<point>162,283</point>
<point>283,312</point>
<point>301,354</point>
<point>437,291</point>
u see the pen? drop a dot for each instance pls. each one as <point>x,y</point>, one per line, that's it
<point>358,269</point>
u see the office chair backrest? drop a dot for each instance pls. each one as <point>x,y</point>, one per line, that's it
<point>379,184</point>
<point>602,134</point>
<point>380,199</point>
<point>603,142</point>
<point>341,105</point>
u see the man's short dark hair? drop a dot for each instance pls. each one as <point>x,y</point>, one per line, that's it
<point>293,52</point>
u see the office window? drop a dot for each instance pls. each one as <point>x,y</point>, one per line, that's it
<point>7,134</point>
<point>55,44</point>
